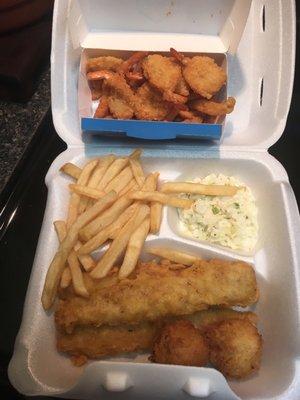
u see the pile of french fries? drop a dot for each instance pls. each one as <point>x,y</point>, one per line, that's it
<point>112,200</point>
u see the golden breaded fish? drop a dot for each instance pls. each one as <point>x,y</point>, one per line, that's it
<point>153,292</point>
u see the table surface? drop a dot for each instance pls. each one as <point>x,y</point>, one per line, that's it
<point>23,201</point>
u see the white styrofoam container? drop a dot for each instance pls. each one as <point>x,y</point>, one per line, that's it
<point>265,54</point>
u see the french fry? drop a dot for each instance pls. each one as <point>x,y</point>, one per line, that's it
<point>71,170</point>
<point>109,232</point>
<point>120,242</point>
<point>104,219</point>
<point>87,191</point>
<point>161,198</point>
<point>150,182</point>
<point>136,154</point>
<point>66,278</point>
<point>74,266</point>
<point>99,172</point>
<point>112,171</point>
<point>198,188</point>
<point>75,198</point>
<point>120,181</point>
<point>86,260</point>
<point>155,216</point>
<point>173,255</point>
<point>155,212</point>
<point>58,262</point>
<point>95,178</point>
<point>132,185</point>
<point>121,221</point>
<point>137,171</point>
<point>95,242</point>
<point>134,248</point>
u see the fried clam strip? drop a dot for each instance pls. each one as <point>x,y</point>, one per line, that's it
<point>58,262</point>
<point>214,282</point>
<point>74,203</point>
<point>198,188</point>
<point>213,108</point>
<point>73,262</point>
<point>106,341</point>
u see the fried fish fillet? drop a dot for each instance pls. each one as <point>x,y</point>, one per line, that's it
<point>153,292</point>
<point>92,342</point>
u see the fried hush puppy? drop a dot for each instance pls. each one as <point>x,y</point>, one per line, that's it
<point>232,346</point>
<point>235,347</point>
<point>180,343</point>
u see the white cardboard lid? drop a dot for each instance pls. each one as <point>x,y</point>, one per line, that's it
<point>191,25</point>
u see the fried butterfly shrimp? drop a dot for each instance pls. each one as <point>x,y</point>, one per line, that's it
<point>149,104</point>
<point>182,88</point>
<point>120,96</point>
<point>201,73</point>
<point>96,89</point>
<point>204,76</point>
<point>104,62</point>
<point>119,108</point>
<point>102,109</point>
<point>213,108</point>
<point>161,72</point>
<point>189,116</point>
<point>132,61</point>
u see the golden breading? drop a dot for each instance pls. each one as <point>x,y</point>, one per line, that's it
<point>161,72</point>
<point>203,75</point>
<point>182,87</point>
<point>235,347</point>
<point>149,104</point>
<point>180,343</point>
<point>107,340</point>
<point>104,62</point>
<point>119,108</point>
<point>139,297</point>
<point>213,108</point>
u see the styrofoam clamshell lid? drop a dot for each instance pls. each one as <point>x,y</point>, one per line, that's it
<point>260,73</point>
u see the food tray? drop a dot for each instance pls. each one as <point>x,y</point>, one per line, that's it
<point>37,368</point>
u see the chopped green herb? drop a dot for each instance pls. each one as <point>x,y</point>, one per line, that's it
<point>236,205</point>
<point>215,210</point>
